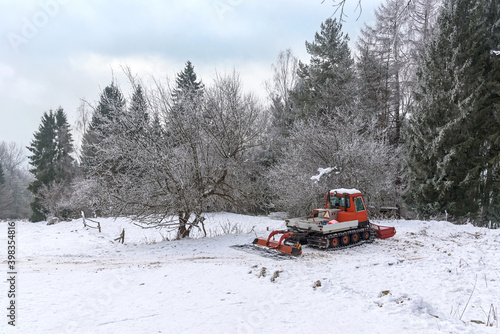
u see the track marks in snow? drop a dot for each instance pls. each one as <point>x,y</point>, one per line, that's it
<point>433,272</point>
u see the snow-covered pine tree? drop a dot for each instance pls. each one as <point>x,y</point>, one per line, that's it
<point>489,126</point>
<point>110,108</point>
<point>51,160</point>
<point>327,84</point>
<point>64,162</point>
<point>138,110</point>
<point>133,124</point>
<point>156,127</point>
<point>187,85</point>
<point>493,12</point>
<point>43,152</point>
<point>490,189</point>
<point>444,137</point>
<point>186,97</point>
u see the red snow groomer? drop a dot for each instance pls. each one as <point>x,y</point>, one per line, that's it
<point>342,223</point>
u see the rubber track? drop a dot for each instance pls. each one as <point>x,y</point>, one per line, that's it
<point>319,242</point>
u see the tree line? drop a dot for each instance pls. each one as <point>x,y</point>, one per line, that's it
<point>410,117</point>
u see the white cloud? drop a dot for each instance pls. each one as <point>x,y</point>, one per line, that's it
<point>18,87</point>
<point>76,52</point>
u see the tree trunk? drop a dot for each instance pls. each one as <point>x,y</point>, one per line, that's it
<point>183,230</point>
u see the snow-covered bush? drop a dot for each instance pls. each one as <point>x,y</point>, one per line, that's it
<point>353,160</point>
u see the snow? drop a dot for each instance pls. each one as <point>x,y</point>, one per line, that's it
<point>431,277</point>
<point>321,172</point>
<point>345,191</point>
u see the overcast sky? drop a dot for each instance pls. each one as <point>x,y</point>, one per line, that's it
<point>56,52</point>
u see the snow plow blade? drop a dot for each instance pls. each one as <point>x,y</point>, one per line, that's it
<point>284,245</point>
<point>383,232</point>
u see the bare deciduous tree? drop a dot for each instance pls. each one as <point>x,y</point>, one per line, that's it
<point>184,167</point>
<point>16,195</point>
<point>339,6</point>
<point>56,199</point>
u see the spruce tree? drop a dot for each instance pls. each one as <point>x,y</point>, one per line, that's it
<point>490,190</point>
<point>186,100</point>
<point>156,126</point>
<point>51,159</point>
<point>445,138</point>
<point>43,152</point>
<point>110,108</point>
<point>137,120</point>
<point>327,84</point>
<point>490,129</point>
<point>138,106</point>
<point>493,24</point>
<point>65,163</point>
<point>187,93</point>
<point>187,85</point>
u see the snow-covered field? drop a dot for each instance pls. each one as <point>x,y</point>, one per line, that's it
<point>432,277</point>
